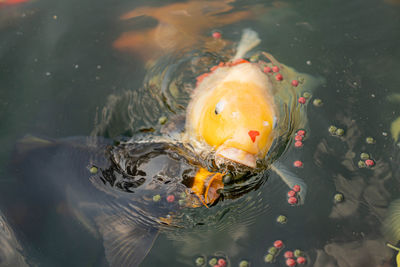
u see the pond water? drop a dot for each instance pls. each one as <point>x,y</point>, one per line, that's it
<point>66,68</point>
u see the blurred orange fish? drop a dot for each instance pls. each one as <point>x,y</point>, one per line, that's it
<point>180,26</point>
<point>11,2</point>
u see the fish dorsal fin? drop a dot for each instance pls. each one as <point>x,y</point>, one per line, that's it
<point>249,41</point>
<point>125,244</point>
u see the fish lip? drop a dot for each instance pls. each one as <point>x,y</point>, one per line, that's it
<point>237,155</point>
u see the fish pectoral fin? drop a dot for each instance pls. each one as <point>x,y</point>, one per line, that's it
<point>125,244</point>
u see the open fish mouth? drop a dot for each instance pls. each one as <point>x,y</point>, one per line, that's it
<point>237,155</point>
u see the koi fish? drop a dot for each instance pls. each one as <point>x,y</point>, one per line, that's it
<point>235,118</point>
<point>179,26</point>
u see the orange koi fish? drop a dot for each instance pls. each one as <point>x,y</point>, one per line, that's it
<point>180,26</point>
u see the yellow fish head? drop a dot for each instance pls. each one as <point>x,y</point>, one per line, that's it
<point>232,111</point>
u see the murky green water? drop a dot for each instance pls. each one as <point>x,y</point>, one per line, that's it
<point>58,69</point>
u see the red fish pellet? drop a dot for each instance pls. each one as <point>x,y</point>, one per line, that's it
<point>221,263</point>
<point>278,244</point>
<point>301,132</point>
<point>288,254</point>
<point>216,35</point>
<point>171,198</point>
<point>302,100</point>
<point>301,260</point>
<point>267,69</point>
<point>295,83</point>
<point>292,200</point>
<point>291,193</point>
<point>296,188</point>
<point>298,138</point>
<point>298,164</point>
<point>298,144</point>
<point>290,262</point>
<point>279,77</point>
<point>369,162</point>
<point>275,69</point>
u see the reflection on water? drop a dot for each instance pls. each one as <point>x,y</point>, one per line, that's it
<point>58,69</point>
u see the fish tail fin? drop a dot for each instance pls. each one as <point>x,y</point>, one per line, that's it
<point>291,179</point>
<point>125,244</point>
<point>249,40</point>
<point>391,223</point>
<point>30,143</point>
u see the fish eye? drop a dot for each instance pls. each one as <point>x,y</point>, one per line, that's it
<point>219,107</point>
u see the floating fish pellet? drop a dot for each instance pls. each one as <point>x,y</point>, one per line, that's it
<point>332,129</point>
<point>339,132</point>
<point>221,262</point>
<point>200,261</point>
<point>298,138</point>
<point>296,188</point>
<point>278,77</point>
<point>181,202</point>
<point>370,140</point>
<point>302,100</point>
<point>93,170</point>
<point>278,244</point>
<point>361,164</point>
<point>317,102</point>
<point>267,69</point>
<point>275,69</point>
<point>170,198</point>
<point>269,258</point>
<point>292,200</point>
<point>298,164</point>
<point>162,120</point>
<point>301,132</point>
<point>297,253</point>
<point>213,261</point>
<point>288,254</point>
<point>281,219</point>
<point>295,83</point>
<point>364,156</point>
<point>301,260</point>
<point>290,262</point>
<point>273,251</point>
<point>216,35</point>
<point>338,198</point>
<point>369,162</point>
<point>156,198</point>
<point>298,144</point>
<point>291,193</point>
<point>244,263</point>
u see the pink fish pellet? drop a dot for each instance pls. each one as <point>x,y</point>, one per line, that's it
<point>216,35</point>
<point>369,162</point>
<point>296,188</point>
<point>288,254</point>
<point>290,262</point>
<point>171,198</point>
<point>301,260</point>
<point>267,69</point>
<point>278,244</point>
<point>298,138</point>
<point>295,83</point>
<point>221,263</point>
<point>298,144</point>
<point>291,193</point>
<point>302,100</point>
<point>292,200</point>
<point>279,77</point>
<point>298,164</point>
<point>301,132</point>
<point>275,69</point>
